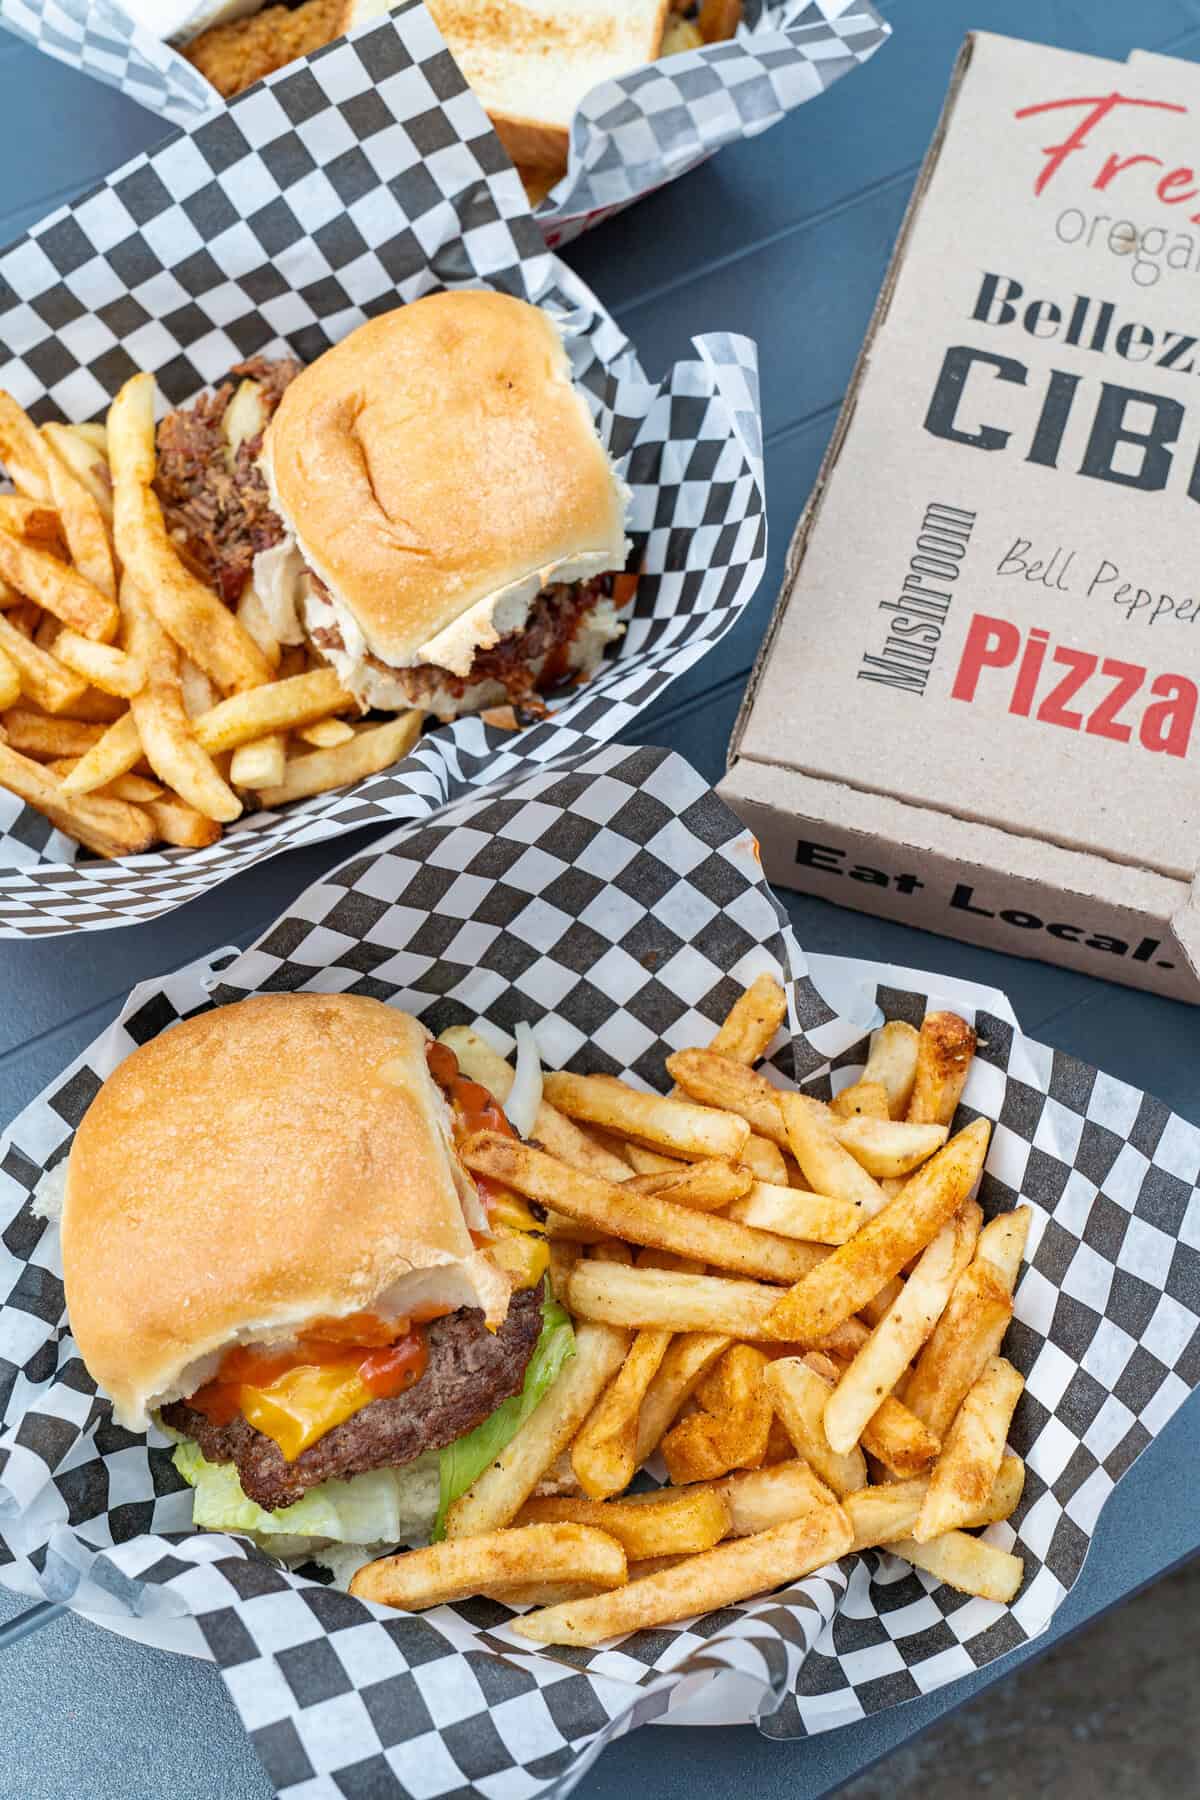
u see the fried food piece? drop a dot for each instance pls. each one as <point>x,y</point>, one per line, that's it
<point>236,55</point>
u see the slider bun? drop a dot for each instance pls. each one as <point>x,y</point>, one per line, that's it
<point>254,1168</point>
<point>436,455</point>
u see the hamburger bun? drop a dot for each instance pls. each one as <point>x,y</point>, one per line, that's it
<point>272,1162</point>
<point>437,469</point>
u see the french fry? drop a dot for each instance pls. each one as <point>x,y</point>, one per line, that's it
<point>670,1522</point>
<point>799,1395</point>
<point>190,613</point>
<point>1002,1244</point>
<point>326,733</point>
<point>163,728</point>
<point>895,1437</point>
<point>966,1563</point>
<point>498,1495</point>
<point>280,706</point>
<point>965,1338</point>
<point>21,451</point>
<point>817,1218</point>
<point>812,1132</point>
<point>970,1458</point>
<point>694,1133</point>
<point>603,1455</point>
<point>880,1515</point>
<point>864,1099</point>
<point>850,1275</point>
<point>759,1499</point>
<point>261,763</point>
<point>944,1052</point>
<point>83,524</point>
<point>134,788</point>
<point>890,1348</point>
<point>94,707</point>
<point>42,735</point>
<point>707,1186</point>
<point>109,827</point>
<point>87,462</point>
<point>639,1218</point>
<point>58,589</point>
<point>893,1063</point>
<point>888,1147</point>
<point>730,1428</point>
<point>30,519</point>
<point>750,1024</point>
<point>764,1160</point>
<point>370,751</point>
<point>417,1579</point>
<point>255,622</point>
<point>648,1162</point>
<point>10,682</point>
<point>646,1298</point>
<point>715,1080</point>
<point>113,755</point>
<point>103,665</point>
<point>734,1571</point>
<point>199,695</point>
<point>687,1360</point>
<point>181,824</point>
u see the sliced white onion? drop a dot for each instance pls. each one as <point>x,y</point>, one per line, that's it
<point>525,1094</point>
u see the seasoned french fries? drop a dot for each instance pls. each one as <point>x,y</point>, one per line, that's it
<point>966,1563</point>
<point>893,1063</point>
<point>109,827</point>
<point>58,589</point>
<point>459,1568</point>
<point>604,1455</point>
<point>887,1353</point>
<point>279,706</point>
<point>639,1218</point>
<point>799,1396</point>
<point>944,1051</point>
<point>87,461</point>
<point>888,1147</point>
<point>789,1212</point>
<point>21,451</point>
<point>694,1133</point>
<point>46,736</point>
<point>687,1360</point>
<point>671,1522</point>
<point>374,748</point>
<point>828,1167</point>
<point>787,1409</point>
<point>851,1274</point>
<point>734,1571</point>
<point>971,1455</point>
<point>259,764</point>
<point>103,665</point>
<point>83,525</point>
<point>113,755</point>
<point>746,1032</point>
<point>162,724</point>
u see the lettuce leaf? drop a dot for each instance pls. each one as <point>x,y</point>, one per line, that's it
<point>467,1457</point>
<point>384,1506</point>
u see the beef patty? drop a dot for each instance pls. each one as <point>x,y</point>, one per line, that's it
<point>470,1371</point>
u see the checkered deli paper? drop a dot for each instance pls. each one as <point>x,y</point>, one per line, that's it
<point>330,194</point>
<point>617,905</point>
<point>628,137</point>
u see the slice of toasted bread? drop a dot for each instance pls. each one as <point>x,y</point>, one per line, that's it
<point>532,61</point>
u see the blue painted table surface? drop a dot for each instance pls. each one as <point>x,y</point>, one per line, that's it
<point>785,238</point>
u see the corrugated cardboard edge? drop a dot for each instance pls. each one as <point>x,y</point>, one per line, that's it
<point>879,313</point>
<point>1080,895</point>
<point>1181,917</point>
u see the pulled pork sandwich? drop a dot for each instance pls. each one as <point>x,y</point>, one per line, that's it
<point>428,505</point>
<point>271,1247</point>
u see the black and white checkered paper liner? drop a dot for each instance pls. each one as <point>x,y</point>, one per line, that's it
<point>334,192</point>
<point>628,137</point>
<point>617,905</point>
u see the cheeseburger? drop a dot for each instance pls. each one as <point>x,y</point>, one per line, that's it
<point>428,505</point>
<point>271,1248</point>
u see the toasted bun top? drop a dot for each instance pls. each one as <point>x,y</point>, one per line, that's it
<point>249,1171</point>
<point>435,456</point>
